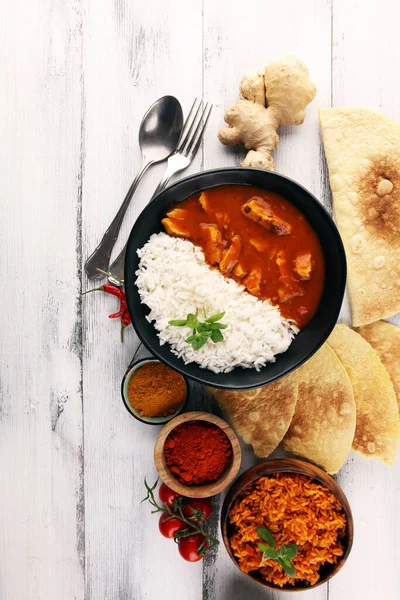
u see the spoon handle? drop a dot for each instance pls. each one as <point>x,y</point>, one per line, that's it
<point>116,270</point>
<point>101,256</point>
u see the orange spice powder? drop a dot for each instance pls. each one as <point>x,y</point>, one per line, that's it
<point>155,390</point>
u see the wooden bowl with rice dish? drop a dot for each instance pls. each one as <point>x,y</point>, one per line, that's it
<point>307,514</point>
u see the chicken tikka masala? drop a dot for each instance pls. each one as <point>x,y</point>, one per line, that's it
<point>260,240</point>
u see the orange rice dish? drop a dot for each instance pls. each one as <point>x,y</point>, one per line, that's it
<point>296,509</point>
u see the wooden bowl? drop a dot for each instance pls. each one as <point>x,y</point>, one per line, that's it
<point>288,465</point>
<point>197,491</point>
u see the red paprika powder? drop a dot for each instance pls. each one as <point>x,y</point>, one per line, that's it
<point>197,452</point>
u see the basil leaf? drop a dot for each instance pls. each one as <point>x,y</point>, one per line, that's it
<point>178,322</point>
<point>289,551</point>
<point>266,535</point>
<point>287,566</point>
<point>203,327</point>
<point>191,338</point>
<point>268,551</point>
<point>214,326</point>
<point>201,343</point>
<point>192,321</point>
<point>217,336</point>
<point>214,318</point>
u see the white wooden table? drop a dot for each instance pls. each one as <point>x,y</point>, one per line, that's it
<point>76,78</point>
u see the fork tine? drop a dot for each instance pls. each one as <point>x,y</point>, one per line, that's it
<point>188,126</point>
<point>195,142</point>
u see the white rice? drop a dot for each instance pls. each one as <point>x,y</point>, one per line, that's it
<point>174,279</point>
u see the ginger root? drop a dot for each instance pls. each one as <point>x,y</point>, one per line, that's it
<point>277,97</point>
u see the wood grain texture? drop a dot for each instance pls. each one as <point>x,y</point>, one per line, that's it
<point>237,40</point>
<point>77,76</point>
<point>134,52</point>
<point>42,547</point>
<point>363,75</point>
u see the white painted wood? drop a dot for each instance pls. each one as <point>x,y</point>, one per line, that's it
<point>237,40</point>
<point>41,443</point>
<point>134,52</point>
<point>72,525</point>
<point>364,44</point>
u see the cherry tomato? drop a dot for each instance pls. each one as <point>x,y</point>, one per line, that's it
<point>169,527</point>
<point>188,547</point>
<point>200,504</point>
<point>167,495</point>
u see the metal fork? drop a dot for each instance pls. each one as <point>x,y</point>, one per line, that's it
<point>188,146</point>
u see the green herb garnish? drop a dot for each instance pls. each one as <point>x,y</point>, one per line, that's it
<point>283,556</point>
<point>201,330</point>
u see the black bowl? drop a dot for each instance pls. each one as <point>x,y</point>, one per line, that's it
<point>308,340</point>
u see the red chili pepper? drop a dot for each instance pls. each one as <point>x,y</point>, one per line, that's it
<point>125,321</point>
<point>123,309</point>
<point>121,312</point>
<point>109,289</point>
<point>126,318</point>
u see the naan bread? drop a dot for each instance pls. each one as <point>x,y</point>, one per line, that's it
<point>362,149</point>
<point>385,339</point>
<point>378,423</point>
<point>322,429</point>
<point>261,416</point>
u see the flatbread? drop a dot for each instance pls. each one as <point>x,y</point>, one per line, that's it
<point>324,422</point>
<point>385,339</point>
<point>362,149</point>
<point>261,416</point>
<point>378,424</point>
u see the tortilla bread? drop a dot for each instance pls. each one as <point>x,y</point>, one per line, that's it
<point>324,422</point>
<point>261,416</point>
<point>385,339</point>
<point>362,149</point>
<point>378,424</point>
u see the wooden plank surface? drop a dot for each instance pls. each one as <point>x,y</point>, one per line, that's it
<point>77,77</point>
<point>134,52</point>
<point>227,59</point>
<point>41,439</point>
<point>363,76</point>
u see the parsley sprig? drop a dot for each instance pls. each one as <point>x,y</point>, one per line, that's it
<point>201,330</point>
<point>283,556</point>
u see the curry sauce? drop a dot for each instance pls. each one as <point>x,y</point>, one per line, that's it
<point>260,240</point>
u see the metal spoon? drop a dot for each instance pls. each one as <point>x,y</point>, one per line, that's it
<point>159,135</point>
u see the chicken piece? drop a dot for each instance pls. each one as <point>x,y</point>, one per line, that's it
<point>303,265</point>
<point>175,227</point>
<point>213,243</point>
<point>283,266</point>
<point>231,255</point>
<point>289,288</point>
<point>253,280</point>
<point>259,210</point>
<point>288,292</point>
<point>223,219</point>
<point>178,213</point>
<point>260,245</point>
<point>205,203</point>
<point>239,270</point>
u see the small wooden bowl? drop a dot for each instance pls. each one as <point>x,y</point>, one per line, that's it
<point>289,466</point>
<point>197,491</point>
